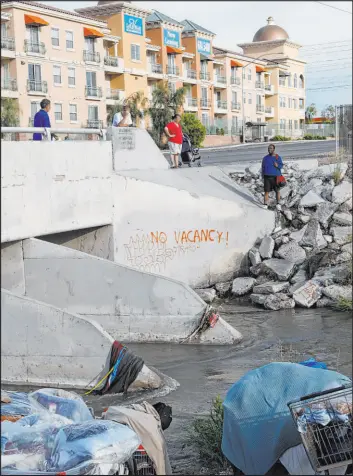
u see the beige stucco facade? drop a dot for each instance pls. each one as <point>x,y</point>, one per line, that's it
<point>86,61</point>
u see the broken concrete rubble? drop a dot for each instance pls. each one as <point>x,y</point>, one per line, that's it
<point>266,248</point>
<point>271,287</point>
<point>275,302</point>
<point>342,234</point>
<point>282,269</point>
<point>308,294</point>
<point>242,286</point>
<point>342,192</point>
<point>292,252</point>
<point>206,295</point>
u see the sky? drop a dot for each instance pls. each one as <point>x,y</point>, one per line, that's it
<point>324,31</point>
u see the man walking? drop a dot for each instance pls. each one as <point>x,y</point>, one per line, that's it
<point>271,169</point>
<point>174,133</point>
<point>41,118</point>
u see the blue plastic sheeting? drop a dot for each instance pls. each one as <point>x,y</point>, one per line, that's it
<point>258,427</point>
<point>314,364</point>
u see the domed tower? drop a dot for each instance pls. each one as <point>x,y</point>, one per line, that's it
<point>270,32</point>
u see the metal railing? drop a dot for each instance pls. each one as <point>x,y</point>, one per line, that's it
<point>190,74</point>
<point>47,132</point>
<point>8,43</point>
<point>204,76</point>
<point>113,93</point>
<point>260,108</point>
<point>31,47</point>
<point>94,124</point>
<point>234,80</point>
<point>191,102</point>
<point>93,91</point>
<point>343,131</point>
<point>9,84</point>
<point>269,110</point>
<point>259,85</point>
<point>174,70</point>
<point>236,106</point>
<point>37,86</point>
<point>220,79</point>
<point>269,87</point>
<point>91,56</point>
<point>111,61</point>
<point>221,104</point>
<point>156,68</point>
<point>205,103</point>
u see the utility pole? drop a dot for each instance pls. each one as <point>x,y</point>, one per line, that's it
<point>336,130</point>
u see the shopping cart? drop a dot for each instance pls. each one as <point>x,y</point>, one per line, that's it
<point>324,421</point>
<point>140,464</point>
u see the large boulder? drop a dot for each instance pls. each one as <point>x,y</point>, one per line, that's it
<point>342,218</point>
<point>281,269</point>
<point>311,199</point>
<point>242,286</point>
<point>258,299</point>
<point>342,234</point>
<point>254,256</point>
<point>223,288</point>
<point>206,295</point>
<point>335,292</point>
<point>292,252</point>
<point>308,294</point>
<point>313,236</point>
<point>271,287</point>
<point>342,192</point>
<point>325,211</point>
<point>346,206</point>
<point>266,248</point>
<point>254,171</point>
<point>275,302</point>
<point>339,274</point>
<point>325,302</point>
<point>299,277</point>
<point>298,235</point>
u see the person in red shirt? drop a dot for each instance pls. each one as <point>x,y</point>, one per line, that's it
<point>174,133</point>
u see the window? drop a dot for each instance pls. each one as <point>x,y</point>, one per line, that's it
<point>3,30</point>
<point>73,112</point>
<point>282,124</point>
<point>58,112</point>
<point>290,124</point>
<point>289,102</point>
<point>205,119</point>
<point>282,80</point>
<point>301,81</point>
<point>243,73</point>
<point>6,71</point>
<point>71,76</point>
<point>204,93</point>
<point>93,113</point>
<point>290,81</point>
<point>90,44</point>
<point>244,97</point>
<point>234,97</point>
<point>32,33</point>
<point>35,106</point>
<point>296,125</point>
<point>172,87</point>
<point>57,74</point>
<point>282,101</point>
<point>294,104</point>
<point>55,37</point>
<point>69,40</point>
<point>249,98</point>
<point>136,52</point>
<point>249,73</point>
<point>301,103</point>
<point>91,79</point>
<point>295,80</point>
<point>35,77</point>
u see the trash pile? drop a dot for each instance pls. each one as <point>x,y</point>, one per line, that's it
<point>307,261</point>
<point>51,431</point>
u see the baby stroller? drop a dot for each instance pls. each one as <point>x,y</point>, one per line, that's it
<point>189,154</point>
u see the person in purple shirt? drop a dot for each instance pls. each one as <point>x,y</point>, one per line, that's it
<point>271,169</point>
<point>41,119</point>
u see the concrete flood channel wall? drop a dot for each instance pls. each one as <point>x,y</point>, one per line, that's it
<point>119,247</point>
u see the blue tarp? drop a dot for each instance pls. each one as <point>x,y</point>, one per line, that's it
<point>258,427</point>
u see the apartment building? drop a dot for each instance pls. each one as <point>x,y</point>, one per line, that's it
<point>87,60</point>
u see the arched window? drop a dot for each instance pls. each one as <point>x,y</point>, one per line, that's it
<point>295,80</point>
<point>290,80</point>
<point>301,81</point>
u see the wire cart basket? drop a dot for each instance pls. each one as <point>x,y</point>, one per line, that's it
<point>140,464</point>
<point>324,421</point>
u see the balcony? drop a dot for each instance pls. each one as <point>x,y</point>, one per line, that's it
<point>7,47</point>
<point>91,57</point>
<point>204,76</point>
<point>94,124</point>
<point>9,88</point>
<point>155,70</point>
<point>269,90</point>
<point>111,61</point>
<point>190,104</point>
<point>220,81</point>
<point>37,88</point>
<point>190,75</point>
<point>205,104</point>
<point>259,85</point>
<point>269,111</point>
<point>235,81</point>
<point>113,95</point>
<point>260,108</point>
<point>36,48</point>
<point>173,70</point>
<point>93,92</point>
<point>235,106</point>
<point>222,105</point>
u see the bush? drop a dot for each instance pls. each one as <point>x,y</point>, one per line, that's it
<point>194,128</point>
<point>280,138</point>
<point>313,137</point>
<point>205,435</point>
<point>343,304</point>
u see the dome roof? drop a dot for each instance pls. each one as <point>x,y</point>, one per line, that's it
<point>270,32</point>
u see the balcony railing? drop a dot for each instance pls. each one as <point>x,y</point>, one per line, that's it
<point>93,91</point>
<point>220,79</point>
<point>221,104</point>
<point>191,102</point>
<point>234,80</point>
<point>31,47</point>
<point>236,106</point>
<point>9,84</point>
<point>8,43</point>
<point>259,85</point>
<point>205,76</point>
<point>174,70</point>
<point>156,68</point>
<point>260,108</point>
<point>113,94</point>
<point>205,103</point>
<point>94,124</point>
<point>91,56</point>
<point>268,87</point>
<point>37,86</point>
<point>269,110</point>
<point>190,74</point>
<point>110,61</point>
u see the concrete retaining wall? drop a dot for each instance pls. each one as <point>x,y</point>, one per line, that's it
<point>12,267</point>
<point>50,187</point>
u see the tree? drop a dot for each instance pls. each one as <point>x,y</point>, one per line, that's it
<point>137,103</point>
<point>310,112</point>
<point>329,113</point>
<point>194,128</point>
<point>164,105</point>
<point>10,113</point>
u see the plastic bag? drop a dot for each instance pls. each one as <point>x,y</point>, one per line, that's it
<point>21,405</point>
<point>101,441</point>
<point>61,402</point>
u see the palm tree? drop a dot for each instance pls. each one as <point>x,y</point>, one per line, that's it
<point>310,112</point>
<point>137,103</point>
<point>10,114</point>
<point>165,103</point>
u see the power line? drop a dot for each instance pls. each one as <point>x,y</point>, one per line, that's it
<point>336,8</point>
<point>325,52</point>
<point>330,60</point>
<point>341,86</point>
<point>327,43</point>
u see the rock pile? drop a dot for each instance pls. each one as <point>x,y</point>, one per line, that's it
<point>307,261</point>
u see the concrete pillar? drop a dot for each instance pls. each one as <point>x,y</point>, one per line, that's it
<point>116,49</point>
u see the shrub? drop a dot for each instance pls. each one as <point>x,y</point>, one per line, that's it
<point>194,128</point>
<point>205,435</point>
<point>343,304</point>
<point>280,138</point>
<point>313,137</point>
<point>337,174</point>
